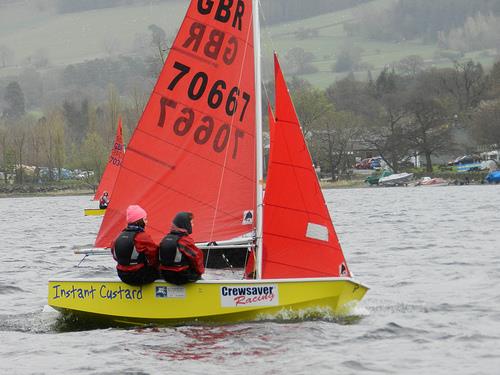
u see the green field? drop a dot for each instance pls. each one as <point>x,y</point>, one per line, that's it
<point>332,36</point>
<point>72,38</point>
<point>76,37</point>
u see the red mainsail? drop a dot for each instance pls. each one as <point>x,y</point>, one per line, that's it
<point>298,236</point>
<point>108,178</point>
<point>194,146</point>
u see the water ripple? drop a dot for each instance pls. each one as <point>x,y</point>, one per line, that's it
<point>429,255</point>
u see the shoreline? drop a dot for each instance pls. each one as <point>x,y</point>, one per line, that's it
<point>46,194</point>
<point>343,184</point>
<point>20,191</point>
<point>24,192</point>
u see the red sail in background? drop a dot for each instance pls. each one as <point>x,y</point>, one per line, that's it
<point>108,178</point>
<point>298,236</point>
<point>194,146</point>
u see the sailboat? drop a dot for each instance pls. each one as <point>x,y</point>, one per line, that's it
<point>198,147</point>
<point>110,174</point>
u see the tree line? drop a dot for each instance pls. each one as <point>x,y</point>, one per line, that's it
<point>77,134</point>
<point>402,112</point>
<point>399,113</point>
<point>427,19</point>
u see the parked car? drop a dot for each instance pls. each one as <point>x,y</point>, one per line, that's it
<point>84,174</point>
<point>369,163</point>
<point>363,164</point>
<point>465,159</point>
<point>376,163</point>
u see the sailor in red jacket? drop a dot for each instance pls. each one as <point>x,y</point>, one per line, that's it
<point>104,201</point>
<point>181,261</point>
<point>134,250</point>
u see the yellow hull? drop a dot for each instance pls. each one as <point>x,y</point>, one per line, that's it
<point>218,301</point>
<point>94,212</point>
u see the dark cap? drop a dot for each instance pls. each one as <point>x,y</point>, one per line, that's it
<point>183,220</point>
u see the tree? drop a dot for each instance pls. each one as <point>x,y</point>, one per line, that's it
<point>431,131</point>
<point>333,137</point>
<point>14,99</point>
<point>19,140</point>
<point>311,104</point>
<point>494,82</point>
<point>111,45</point>
<point>354,96</point>
<point>299,61</point>
<point>8,154</point>
<point>410,19</point>
<point>51,133</point>
<point>114,112</point>
<point>159,42</point>
<point>466,83</point>
<point>387,129</point>
<point>33,91</point>
<point>59,149</point>
<point>77,119</point>
<point>381,113</point>
<point>35,145</point>
<point>348,59</point>
<point>139,100</point>
<point>478,33</point>
<point>39,59</point>
<point>6,55</point>
<point>411,65</point>
<point>93,154</point>
<point>486,124</point>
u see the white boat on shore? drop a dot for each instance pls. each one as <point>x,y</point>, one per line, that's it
<point>397,179</point>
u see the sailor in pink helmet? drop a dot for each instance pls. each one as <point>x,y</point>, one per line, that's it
<point>134,250</point>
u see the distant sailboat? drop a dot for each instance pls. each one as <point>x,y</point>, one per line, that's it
<point>198,147</point>
<point>110,174</point>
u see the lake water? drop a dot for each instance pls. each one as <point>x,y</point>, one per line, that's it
<point>430,256</point>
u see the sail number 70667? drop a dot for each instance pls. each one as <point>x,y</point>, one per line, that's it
<point>216,95</point>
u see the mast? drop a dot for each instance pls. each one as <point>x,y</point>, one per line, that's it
<point>258,134</point>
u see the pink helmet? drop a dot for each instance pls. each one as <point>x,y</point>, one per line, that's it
<point>134,213</point>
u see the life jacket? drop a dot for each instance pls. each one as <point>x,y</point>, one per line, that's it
<point>171,257</point>
<point>103,202</point>
<point>124,250</point>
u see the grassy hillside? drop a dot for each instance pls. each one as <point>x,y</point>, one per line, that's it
<point>71,38</point>
<point>75,37</point>
<point>332,36</point>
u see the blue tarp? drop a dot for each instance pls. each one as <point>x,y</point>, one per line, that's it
<point>493,177</point>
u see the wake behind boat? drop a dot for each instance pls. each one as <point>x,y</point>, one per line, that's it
<point>203,123</point>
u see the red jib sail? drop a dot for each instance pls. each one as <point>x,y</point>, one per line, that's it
<point>194,146</point>
<point>108,178</point>
<point>298,236</point>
